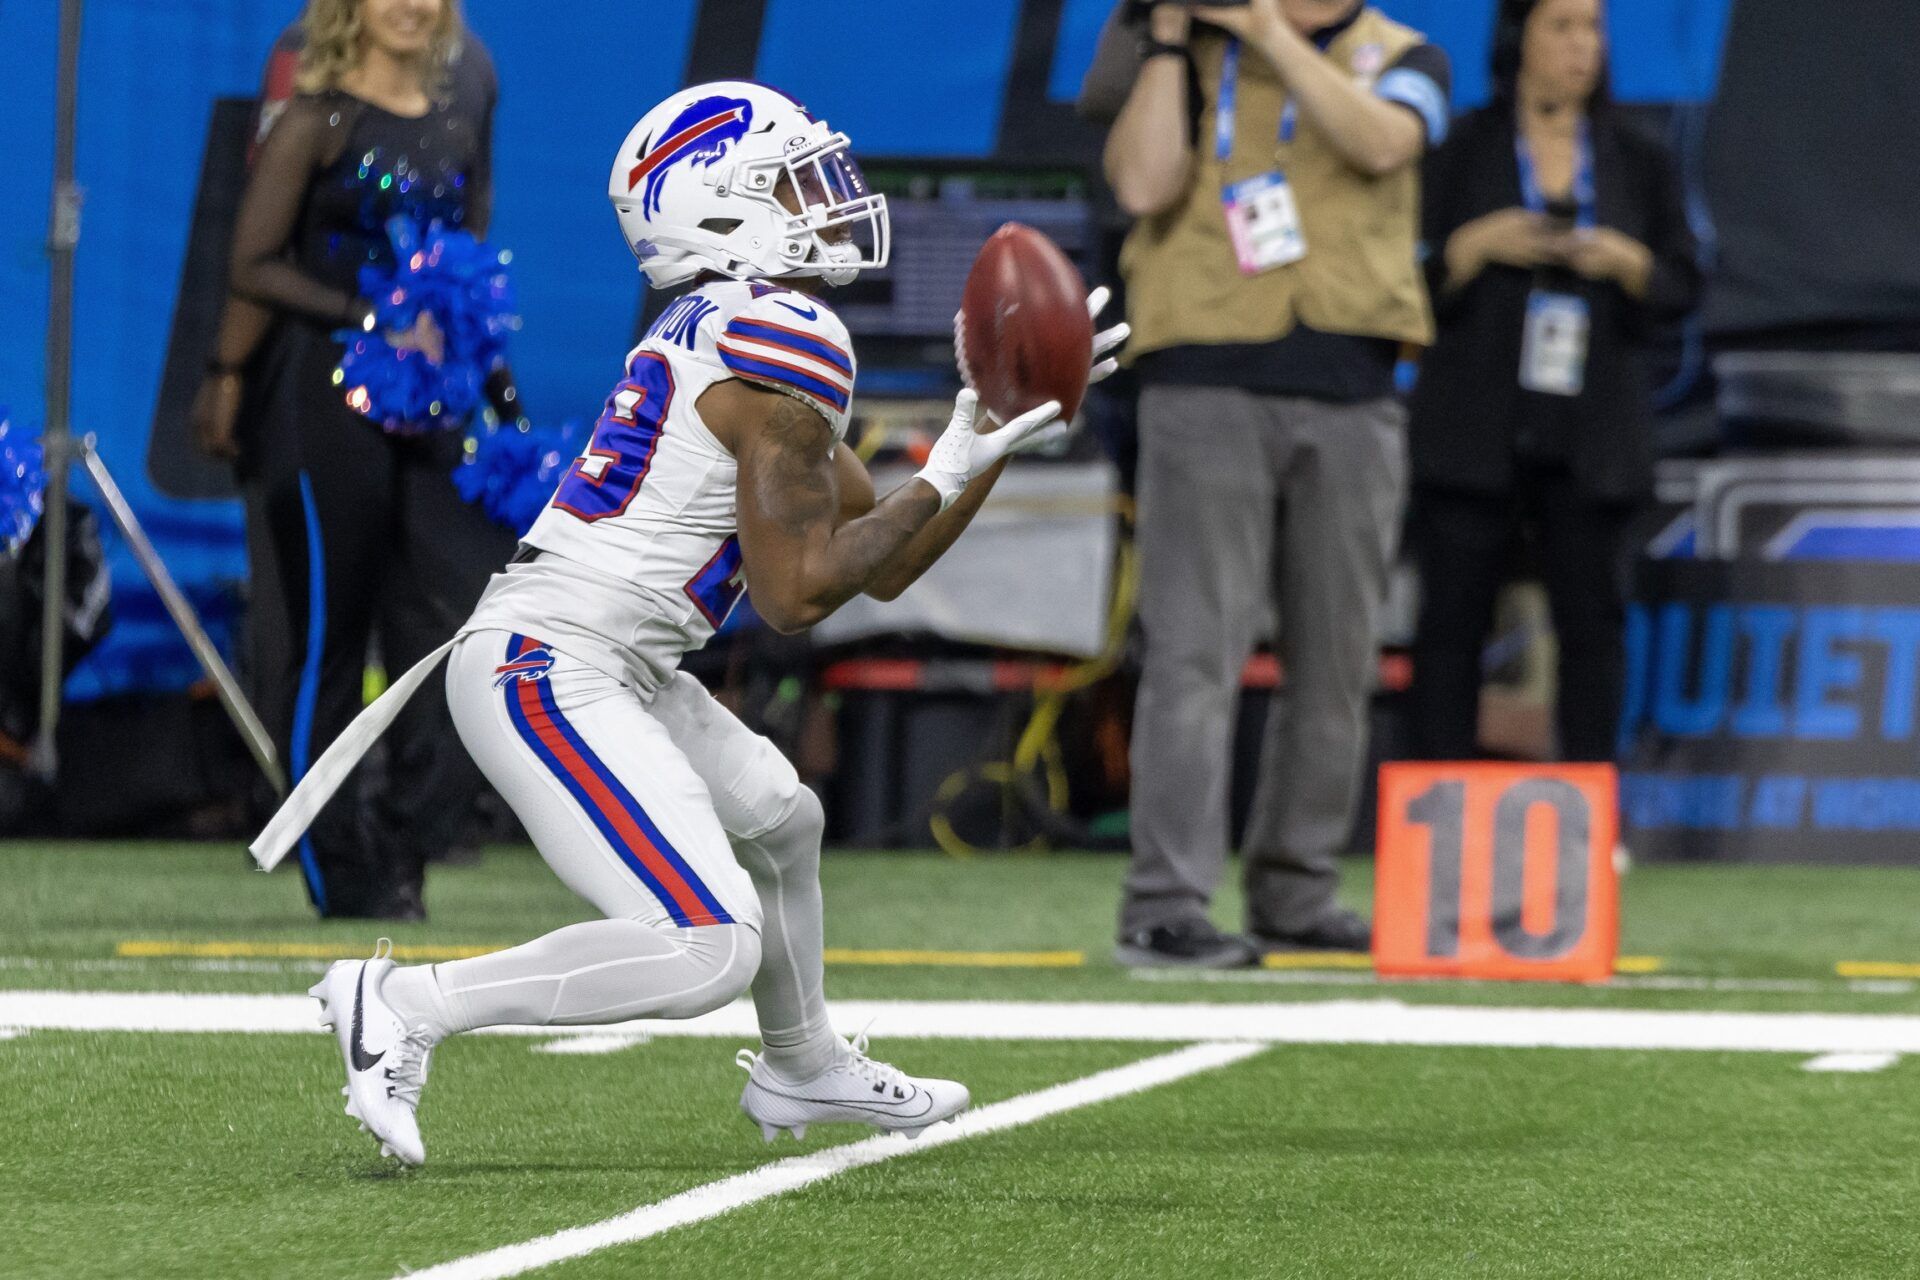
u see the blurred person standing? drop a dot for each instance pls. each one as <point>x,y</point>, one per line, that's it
<point>218,413</point>
<point>365,528</point>
<point>226,414</point>
<point>1270,153</point>
<point>1558,239</point>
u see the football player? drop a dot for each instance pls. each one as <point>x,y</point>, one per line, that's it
<point>716,469</point>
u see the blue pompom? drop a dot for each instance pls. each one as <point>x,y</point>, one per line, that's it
<point>464,285</point>
<point>512,470</point>
<point>23,485</point>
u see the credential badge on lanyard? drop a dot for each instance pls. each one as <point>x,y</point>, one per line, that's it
<point>1263,219</point>
<point>1553,346</point>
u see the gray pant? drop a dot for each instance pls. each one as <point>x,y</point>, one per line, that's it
<point>1245,498</point>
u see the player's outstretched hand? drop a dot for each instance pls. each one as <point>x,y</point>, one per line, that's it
<point>1107,341</point>
<point>970,444</point>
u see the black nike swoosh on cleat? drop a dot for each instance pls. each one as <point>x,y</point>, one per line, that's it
<point>925,1100</point>
<point>809,314</point>
<point>356,1049</point>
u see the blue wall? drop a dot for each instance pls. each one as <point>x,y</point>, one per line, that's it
<point>149,70</point>
<point>574,78</point>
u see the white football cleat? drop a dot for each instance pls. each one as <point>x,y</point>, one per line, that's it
<point>386,1060</point>
<point>856,1089</point>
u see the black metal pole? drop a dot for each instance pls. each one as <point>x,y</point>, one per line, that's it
<point>63,236</point>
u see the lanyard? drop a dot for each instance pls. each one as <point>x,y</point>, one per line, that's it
<point>1229,93</point>
<point>1586,202</point>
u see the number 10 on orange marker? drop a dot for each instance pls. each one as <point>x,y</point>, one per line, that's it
<point>1497,871</point>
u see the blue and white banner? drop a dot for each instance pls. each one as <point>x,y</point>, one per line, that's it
<point>1773,711</point>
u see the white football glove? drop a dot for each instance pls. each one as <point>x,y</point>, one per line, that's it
<point>963,451</point>
<point>1106,342</point>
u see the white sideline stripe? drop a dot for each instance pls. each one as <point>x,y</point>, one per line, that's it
<point>782,1176</point>
<point>1619,982</point>
<point>157,964</point>
<point>1174,977</point>
<point>1850,1062</point>
<point>1315,1022</point>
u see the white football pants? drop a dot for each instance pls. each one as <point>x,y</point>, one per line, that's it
<point>692,834</point>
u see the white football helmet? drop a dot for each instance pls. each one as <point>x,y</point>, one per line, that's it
<point>697,182</point>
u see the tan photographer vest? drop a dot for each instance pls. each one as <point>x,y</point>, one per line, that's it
<point>1360,275</point>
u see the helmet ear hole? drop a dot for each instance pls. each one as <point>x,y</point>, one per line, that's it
<point>721,226</point>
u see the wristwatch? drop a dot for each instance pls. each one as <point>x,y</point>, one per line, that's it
<point>1151,48</point>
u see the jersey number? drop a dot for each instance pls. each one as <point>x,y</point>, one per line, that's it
<point>602,481</point>
<point>719,586</point>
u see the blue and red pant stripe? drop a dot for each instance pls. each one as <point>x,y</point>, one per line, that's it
<point>606,801</point>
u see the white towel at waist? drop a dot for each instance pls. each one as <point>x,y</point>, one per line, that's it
<point>337,761</point>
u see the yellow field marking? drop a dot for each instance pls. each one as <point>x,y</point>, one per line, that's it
<point>1347,960</point>
<point>1876,969</point>
<point>961,959</point>
<point>157,950</point>
<point>151,950</point>
<point>1315,960</point>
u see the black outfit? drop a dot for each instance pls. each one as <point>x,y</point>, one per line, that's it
<point>367,531</point>
<point>474,89</point>
<point>1493,462</point>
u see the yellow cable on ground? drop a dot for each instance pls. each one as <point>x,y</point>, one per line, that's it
<point>1038,746</point>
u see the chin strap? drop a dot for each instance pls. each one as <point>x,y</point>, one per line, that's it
<point>839,253</point>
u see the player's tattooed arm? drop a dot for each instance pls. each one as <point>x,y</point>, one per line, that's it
<point>905,566</point>
<point>802,562</point>
<point>926,546</point>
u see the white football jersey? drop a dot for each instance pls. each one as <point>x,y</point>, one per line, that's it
<point>641,553</point>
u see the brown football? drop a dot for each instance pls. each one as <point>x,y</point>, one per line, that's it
<point>1023,335</point>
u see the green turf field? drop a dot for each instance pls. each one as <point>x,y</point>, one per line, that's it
<point>222,1153</point>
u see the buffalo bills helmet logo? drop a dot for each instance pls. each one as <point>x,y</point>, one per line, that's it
<point>530,666</point>
<point>699,135</point>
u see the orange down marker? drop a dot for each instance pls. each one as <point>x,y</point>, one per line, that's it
<point>1497,871</point>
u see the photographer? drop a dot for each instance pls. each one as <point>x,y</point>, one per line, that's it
<point>1270,152</point>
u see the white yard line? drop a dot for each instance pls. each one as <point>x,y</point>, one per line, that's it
<point>1850,1062</point>
<point>606,1042</point>
<point>782,1176</point>
<point>1316,1022</point>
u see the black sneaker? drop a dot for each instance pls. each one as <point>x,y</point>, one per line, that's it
<point>1338,930</point>
<point>459,855</point>
<point>400,903</point>
<point>1185,944</point>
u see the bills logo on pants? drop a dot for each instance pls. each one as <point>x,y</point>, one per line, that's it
<point>534,664</point>
<point>525,684</point>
